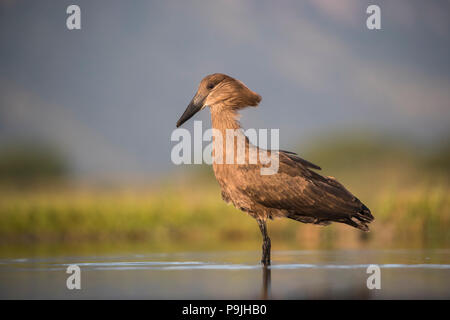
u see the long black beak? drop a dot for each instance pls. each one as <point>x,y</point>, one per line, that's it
<point>191,109</point>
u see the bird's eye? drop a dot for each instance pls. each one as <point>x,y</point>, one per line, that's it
<point>210,86</point>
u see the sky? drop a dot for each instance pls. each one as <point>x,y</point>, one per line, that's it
<point>109,95</point>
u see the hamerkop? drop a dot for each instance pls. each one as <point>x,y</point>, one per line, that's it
<point>295,191</point>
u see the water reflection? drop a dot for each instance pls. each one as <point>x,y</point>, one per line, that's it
<point>266,282</point>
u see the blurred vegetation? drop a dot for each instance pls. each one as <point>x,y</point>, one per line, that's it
<point>27,164</point>
<point>406,187</point>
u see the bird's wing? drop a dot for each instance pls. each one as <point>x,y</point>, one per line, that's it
<point>301,192</point>
<point>293,156</point>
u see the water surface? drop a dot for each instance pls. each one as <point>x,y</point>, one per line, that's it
<point>306,274</point>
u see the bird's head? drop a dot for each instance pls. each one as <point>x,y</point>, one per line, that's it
<point>220,92</point>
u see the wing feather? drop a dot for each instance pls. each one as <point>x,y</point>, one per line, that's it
<point>303,193</point>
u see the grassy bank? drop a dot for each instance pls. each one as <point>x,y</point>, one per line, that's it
<point>419,215</point>
<point>406,188</point>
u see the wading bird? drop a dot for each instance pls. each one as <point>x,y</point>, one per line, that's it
<point>295,191</point>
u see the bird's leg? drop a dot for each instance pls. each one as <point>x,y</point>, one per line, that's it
<point>265,260</point>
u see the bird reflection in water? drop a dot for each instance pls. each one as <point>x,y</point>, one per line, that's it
<point>266,282</point>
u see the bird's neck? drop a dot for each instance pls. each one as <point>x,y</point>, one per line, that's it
<point>225,119</point>
<point>227,124</point>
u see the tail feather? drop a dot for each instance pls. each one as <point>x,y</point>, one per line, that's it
<point>360,219</point>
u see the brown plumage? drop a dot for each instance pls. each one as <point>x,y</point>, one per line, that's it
<point>296,191</point>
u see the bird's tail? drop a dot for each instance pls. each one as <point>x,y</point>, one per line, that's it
<point>360,219</point>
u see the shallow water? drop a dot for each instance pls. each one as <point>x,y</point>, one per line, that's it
<point>308,274</point>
